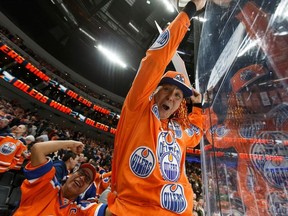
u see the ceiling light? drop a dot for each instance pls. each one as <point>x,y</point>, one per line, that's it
<point>148,2</point>
<point>69,14</point>
<point>65,9</point>
<point>87,34</point>
<point>113,57</point>
<point>133,27</point>
<point>130,2</point>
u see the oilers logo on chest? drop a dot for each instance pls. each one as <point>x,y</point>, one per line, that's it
<point>250,130</point>
<point>142,162</point>
<point>169,156</point>
<point>221,131</point>
<point>270,158</point>
<point>173,198</point>
<point>7,148</point>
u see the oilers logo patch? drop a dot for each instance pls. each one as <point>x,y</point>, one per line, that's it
<point>277,173</point>
<point>106,180</point>
<point>169,166</point>
<point>269,157</point>
<point>7,148</point>
<point>173,198</point>
<point>192,129</point>
<point>250,130</point>
<point>142,162</point>
<point>155,111</point>
<point>180,78</point>
<point>221,131</point>
<point>169,156</point>
<point>161,41</point>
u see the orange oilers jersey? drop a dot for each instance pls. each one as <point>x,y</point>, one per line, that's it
<point>105,182</point>
<point>21,159</point>
<point>41,195</point>
<point>148,168</point>
<point>10,152</point>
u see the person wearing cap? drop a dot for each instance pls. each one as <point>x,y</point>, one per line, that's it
<point>42,193</point>
<point>148,168</point>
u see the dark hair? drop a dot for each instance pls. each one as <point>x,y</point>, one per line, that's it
<point>68,155</point>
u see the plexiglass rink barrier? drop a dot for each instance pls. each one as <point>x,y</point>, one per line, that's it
<point>242,70</point>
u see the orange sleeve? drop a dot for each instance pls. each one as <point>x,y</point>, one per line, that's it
<point>157,58</point>
<point>197,123</point>
<point>17,155</point>
<point>196,118</point>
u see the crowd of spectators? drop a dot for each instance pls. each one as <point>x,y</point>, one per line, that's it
<point>45,67</point>
<point>98,152</point>
<point>38,129</point>
<point>194,175</point>
<point>223,193</point>
<point>13,114</point>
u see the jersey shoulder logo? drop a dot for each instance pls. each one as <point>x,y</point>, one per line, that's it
<point>221,131</point>
<point>161,41</point>
<point>155,111</point>
<point>142,162</point>
<point>106,180</point>
<point>173,198</point>
<point>169,156</point>
<point>191,130</point>
<point>7,148</point>
<point>250,130</point>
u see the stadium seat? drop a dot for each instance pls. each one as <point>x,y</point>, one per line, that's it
<point>4,194</point>
<point>18,179</point>
<point>6,178</point>
<point>14,199</point>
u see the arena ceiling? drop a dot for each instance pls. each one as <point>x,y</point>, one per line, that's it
<point>56,26</point>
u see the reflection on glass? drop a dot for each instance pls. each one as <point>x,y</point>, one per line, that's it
<point>242,70</point>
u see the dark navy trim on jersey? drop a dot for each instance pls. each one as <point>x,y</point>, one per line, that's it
<point>102,210</point>
<point>38,172</point>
